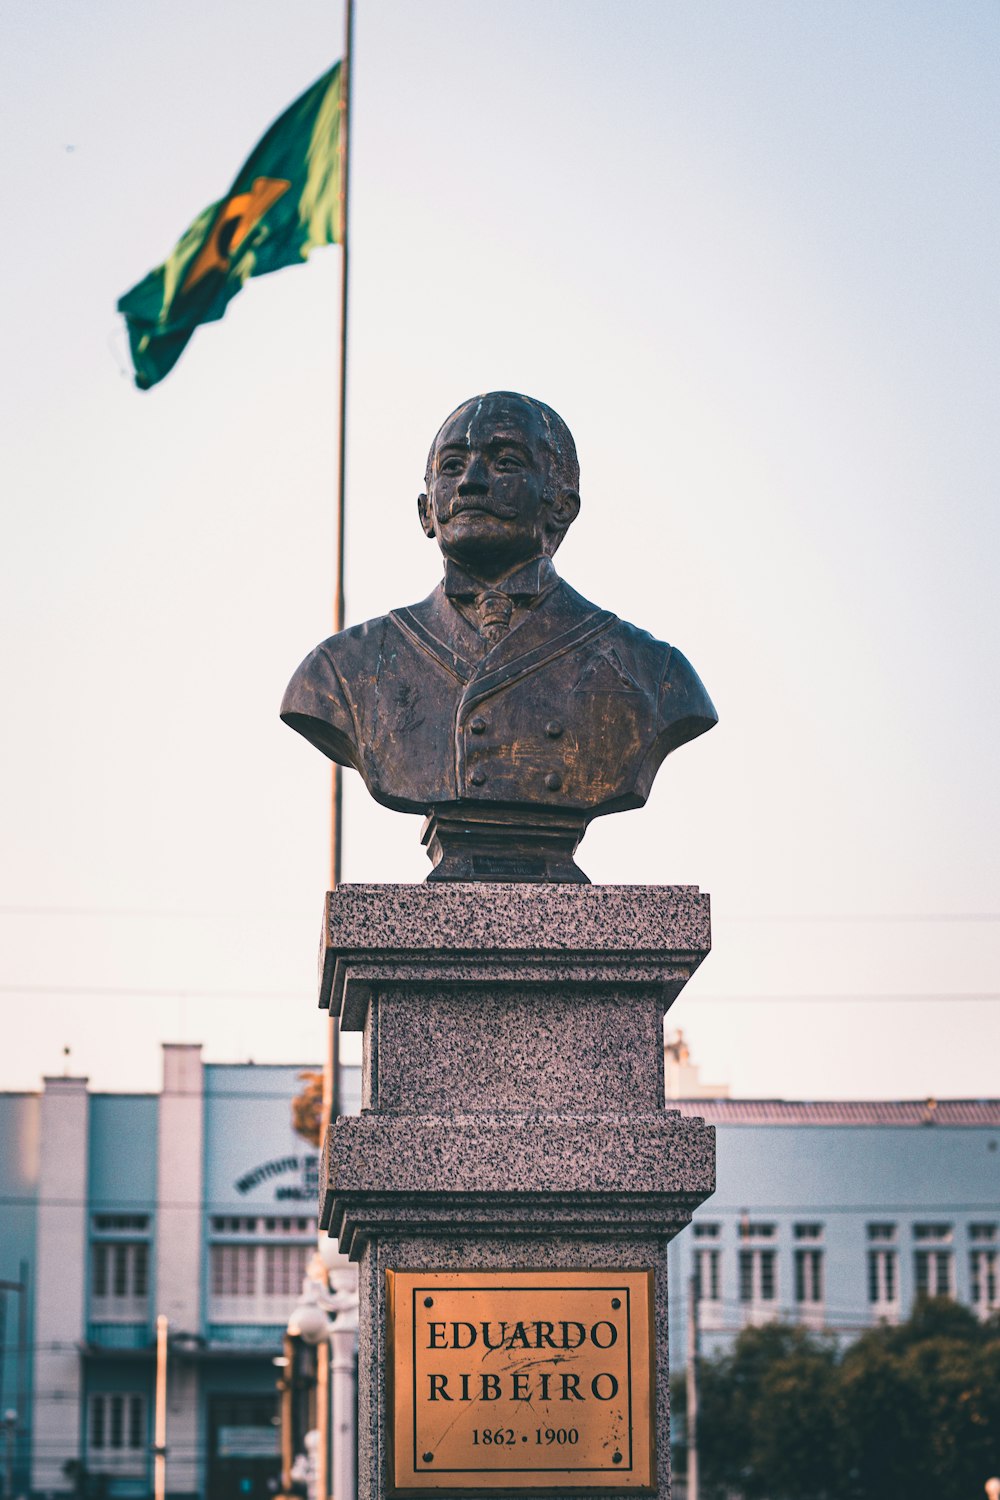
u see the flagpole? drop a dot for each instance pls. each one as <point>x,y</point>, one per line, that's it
<point>331,1064</point>
<point>330,1079</point>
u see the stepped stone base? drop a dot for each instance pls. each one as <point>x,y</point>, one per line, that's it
<point>512,1109</point>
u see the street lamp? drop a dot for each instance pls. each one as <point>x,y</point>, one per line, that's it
<point>10,1433</point>
<point>160,1411</point>
<point>326,1318</point>
<point>11,1417</point>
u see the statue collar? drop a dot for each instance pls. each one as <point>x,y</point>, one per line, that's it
<point>526,582</point>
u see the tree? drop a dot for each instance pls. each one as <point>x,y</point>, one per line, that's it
<point>919,1406</point>
<point>910,1411</point>
<point>307,1108</point>
<point>765,1424</point>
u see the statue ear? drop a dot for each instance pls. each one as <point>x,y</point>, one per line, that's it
<point>426,514</point>
<point>564,508</point>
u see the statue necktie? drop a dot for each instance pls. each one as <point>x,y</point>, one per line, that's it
<point>494,611</point>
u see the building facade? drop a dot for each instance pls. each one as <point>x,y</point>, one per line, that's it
<point>839,1215</point>
<point>198,1204</point>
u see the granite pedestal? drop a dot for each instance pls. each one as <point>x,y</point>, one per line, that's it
<point>513,1110</point>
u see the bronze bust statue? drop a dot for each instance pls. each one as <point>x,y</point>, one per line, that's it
<point>504,706</point>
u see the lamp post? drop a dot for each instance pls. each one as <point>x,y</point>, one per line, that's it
<point>160,1420</point>
<point>11,1416</point>
<point>286,1390</point>
<point>10,1434</point>
<point>326,1318</point>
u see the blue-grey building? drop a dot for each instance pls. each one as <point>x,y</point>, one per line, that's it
<point>198,1204</point>
<point>839,1215</point>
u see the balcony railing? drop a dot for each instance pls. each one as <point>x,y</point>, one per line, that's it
<point>120,1335</point>
<point>248,1335</point>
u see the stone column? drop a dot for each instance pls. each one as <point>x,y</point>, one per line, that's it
<point>179,1239</point>
<point>60,1282</point>
<point>513,1113</point>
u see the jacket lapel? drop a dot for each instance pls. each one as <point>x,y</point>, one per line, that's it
<point>428,631</point>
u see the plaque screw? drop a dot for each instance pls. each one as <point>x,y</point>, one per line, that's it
<point>616,1458</point>
<point>616,1303</point>
<point>429,1458</point>
<point>428,1301</point>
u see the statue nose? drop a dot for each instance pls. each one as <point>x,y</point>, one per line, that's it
<point>474,481</point>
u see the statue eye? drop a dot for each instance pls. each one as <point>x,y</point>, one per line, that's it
<point>452,465</point>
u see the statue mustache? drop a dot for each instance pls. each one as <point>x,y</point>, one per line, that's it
<point>480,503</point>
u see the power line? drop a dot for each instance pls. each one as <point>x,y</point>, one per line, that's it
<point>794,997</point>
<point>163,913</point>
<point>248,1208</point>
<point>169,914</point>
<point>159,994</point>
<point>189,1094</point>
<point>860,917</point>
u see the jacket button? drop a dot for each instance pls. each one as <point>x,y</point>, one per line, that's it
<point>478,777</point>
<point>478,725</point>
<point>553,729</point>
<point>553,781</point>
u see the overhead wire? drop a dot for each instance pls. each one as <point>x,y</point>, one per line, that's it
<point>795,997</point>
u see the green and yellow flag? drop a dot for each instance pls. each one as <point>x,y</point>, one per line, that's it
<point>284,200</point>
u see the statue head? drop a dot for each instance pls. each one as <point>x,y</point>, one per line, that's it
<point>501,485</point>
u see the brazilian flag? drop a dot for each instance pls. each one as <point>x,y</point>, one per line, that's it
<point>284,200</point>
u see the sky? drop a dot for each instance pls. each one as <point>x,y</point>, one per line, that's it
<point>748,251</point>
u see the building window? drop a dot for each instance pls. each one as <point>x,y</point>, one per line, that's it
<point>883,1278</point>
<point>933,1272</point>
<point>933,1265</point>
<point>117,1424</point>
<point>228,1224</point>
<point>704,1231</point>
<point>751,1230</point>
<point>758,1269</point>
<point>119,1268</point>
<point>883,1271</point>
<point>809,1277</point>
<point>706,1274</point>
<point>256,1281</point>
<point>984,1266</point>
<point>808,1231</point>
<point>758,1276</point>
<point>245,1270</point>
<point>234,1270</point>
<point>285,1268</point>
<point>938,1232</point>
<point>983,1233</point>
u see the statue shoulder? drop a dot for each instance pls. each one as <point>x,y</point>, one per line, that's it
<point>686,710</point>
<point>329,697</point>
<point>320,701</point>
<point>348,647</point>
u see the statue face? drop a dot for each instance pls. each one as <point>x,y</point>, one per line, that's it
<point>490,501</point>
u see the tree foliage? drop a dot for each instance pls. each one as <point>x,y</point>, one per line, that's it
<point>907,1411</point>
<point>307,1108</point>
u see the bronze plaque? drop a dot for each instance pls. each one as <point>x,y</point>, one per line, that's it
<point>508,1380</point>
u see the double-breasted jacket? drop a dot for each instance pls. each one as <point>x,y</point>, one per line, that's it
<point>574,709</point>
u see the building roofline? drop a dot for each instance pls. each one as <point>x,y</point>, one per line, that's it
<point>905,1113</point>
